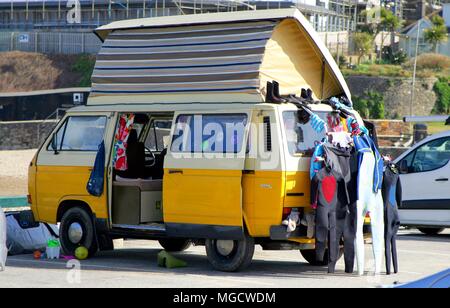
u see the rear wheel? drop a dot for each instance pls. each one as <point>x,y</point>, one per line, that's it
<point>175,244</point>
<point>77,229</point>
<point>229,255</point>
<point>310,256</point>
<point>431,231</point>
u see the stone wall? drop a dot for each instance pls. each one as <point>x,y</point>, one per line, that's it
<point>397,93</point>
<point>24,134</point>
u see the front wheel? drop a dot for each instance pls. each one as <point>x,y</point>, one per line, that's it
<point>310,256</point>
<point>431,231</point>
<point>175,244</point>
<point>77,229</point>
<point>229,255</point>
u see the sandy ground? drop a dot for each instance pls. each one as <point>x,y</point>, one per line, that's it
<point>14,172</point>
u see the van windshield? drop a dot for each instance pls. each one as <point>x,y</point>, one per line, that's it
<point>301,138</point>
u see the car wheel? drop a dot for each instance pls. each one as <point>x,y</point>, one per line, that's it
<point>431,231</point>
<point>175,244</point>
<point>77,229</point>
<point>310,256</point>
<point>229,255</point>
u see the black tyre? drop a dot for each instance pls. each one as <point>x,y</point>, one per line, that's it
<point>105,243</point>
<point>431,231</point>
<point>77,229</point>
<point>175,244</point>
<point>229,255</point>
<point>310,256</point>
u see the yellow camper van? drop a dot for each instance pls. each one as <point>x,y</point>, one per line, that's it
<point>193,151</point>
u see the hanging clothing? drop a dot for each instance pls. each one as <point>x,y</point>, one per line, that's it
<point>317,123</point>
<point>369,201</point>
<point>341,139</point>
<point>120,142</point>
<point>324,198</point>
<point>316,160</point>
<point>364,144</point>
<point>392,197</point>
<point>344,163</point>
<point>346,220</point>
<point>96,181</point>
<point>334,123</point>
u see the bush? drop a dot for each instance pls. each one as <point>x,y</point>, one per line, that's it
<point>370,105</point>
<point>442,90</point>
<point>84,65</point>
<point>430,61</point>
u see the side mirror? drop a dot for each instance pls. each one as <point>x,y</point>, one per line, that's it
<point>403,168</point>
<point>55,144</point>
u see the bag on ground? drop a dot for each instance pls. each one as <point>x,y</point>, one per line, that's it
<point>23,237</point>
<point>3,249</point>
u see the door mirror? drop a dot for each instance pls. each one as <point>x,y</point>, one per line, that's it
<point>55,143</point>
<point>403,168</point>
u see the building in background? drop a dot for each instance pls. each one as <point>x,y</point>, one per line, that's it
<point>408,38</point>
<point>325,15</point>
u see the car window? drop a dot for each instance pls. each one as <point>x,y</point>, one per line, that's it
<point>301,138</point>
<point>209,133</point>
<point>159,131</point>
<point>81,133</point>
<point>430,156</point>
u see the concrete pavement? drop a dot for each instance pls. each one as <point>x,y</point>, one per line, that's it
<point>134,265</point>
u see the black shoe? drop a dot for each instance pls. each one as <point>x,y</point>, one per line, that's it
<point>270,97</point>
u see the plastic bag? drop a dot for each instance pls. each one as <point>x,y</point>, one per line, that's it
<point>28,240</point>
<point>3,249</point>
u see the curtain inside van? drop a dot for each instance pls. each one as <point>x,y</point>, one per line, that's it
<point>120,141</point>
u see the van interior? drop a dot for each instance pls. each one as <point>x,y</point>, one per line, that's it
<point>140,186</point>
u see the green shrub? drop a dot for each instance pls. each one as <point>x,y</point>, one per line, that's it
<point>442,90</point>
<point>84,65</point>
<point>370,105</point>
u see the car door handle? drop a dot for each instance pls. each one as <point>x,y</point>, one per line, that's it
<point>175,171</point>
<point>442,180</point>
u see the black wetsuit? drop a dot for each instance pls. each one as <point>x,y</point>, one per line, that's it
<point>392,197</point>
<point>345,167</point>
<point>324,196</point>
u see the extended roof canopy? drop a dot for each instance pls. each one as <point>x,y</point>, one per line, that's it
<point>220,57</point>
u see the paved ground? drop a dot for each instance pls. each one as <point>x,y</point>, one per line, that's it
<point>134,265</point>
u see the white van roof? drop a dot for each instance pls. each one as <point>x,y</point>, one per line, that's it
<point>211,58</point>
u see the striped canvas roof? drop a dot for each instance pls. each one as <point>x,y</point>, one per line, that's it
<point>170,57</point>
<point>213,58</point>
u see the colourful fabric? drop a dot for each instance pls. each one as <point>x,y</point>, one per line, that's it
<point>120,142</point>
<point>317,123</point>
<point>364,144</point>
<point>316,160</point>
<point>334,123</point>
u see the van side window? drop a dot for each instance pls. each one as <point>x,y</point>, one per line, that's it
<point>81,133</point>
<point>301,138</point>
<point>209,133</point>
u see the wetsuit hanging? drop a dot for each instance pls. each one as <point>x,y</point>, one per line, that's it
<point>392,197</point>
<point>344,165</point>
<point>370,176</point>
<point>324,199</point>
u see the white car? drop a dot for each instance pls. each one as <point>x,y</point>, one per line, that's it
<point>425,179</point>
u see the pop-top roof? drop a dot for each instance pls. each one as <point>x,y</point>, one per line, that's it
<point>218,57</point>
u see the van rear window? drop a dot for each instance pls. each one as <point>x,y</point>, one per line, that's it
<point>301,138</point>
<point>209,133</point>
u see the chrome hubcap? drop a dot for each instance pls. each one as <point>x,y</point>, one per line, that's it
<point>75,233</point>
<point>225,247</point>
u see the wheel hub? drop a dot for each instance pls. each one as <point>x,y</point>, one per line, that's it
<point>75,233</point>
<point>225,247</point>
